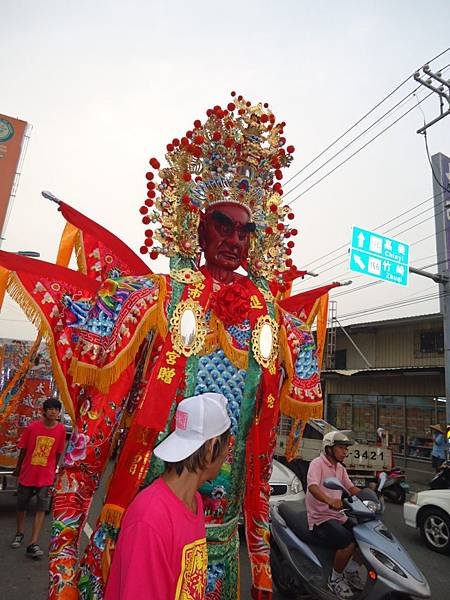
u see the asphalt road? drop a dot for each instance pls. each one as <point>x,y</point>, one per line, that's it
<point>24,578</point>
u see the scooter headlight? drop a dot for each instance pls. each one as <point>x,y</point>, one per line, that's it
<point>372,505</point>
<point>296,485</point>
<point>387,562</point>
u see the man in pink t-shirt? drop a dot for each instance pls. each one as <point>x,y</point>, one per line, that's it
<point>161,551</point>
<point>328,524</point>
<point>41,446</point>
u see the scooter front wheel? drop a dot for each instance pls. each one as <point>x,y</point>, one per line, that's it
<point>284,579</point>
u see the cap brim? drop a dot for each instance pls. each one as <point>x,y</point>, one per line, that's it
<point>177,447</point>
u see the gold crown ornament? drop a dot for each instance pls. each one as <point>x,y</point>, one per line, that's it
<point>235,156</point>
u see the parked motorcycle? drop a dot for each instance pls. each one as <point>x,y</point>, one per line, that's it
<point>441,481</point>
<point>393,486</point>
<point>300,565</point>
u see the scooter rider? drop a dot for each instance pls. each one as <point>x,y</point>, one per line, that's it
<point>330,526</point>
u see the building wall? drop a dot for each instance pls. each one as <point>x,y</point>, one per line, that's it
<point>393,345</point>
<point>386,384</point>
<point>402,392</point>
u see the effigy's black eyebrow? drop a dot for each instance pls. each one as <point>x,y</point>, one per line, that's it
<point>221,218</point>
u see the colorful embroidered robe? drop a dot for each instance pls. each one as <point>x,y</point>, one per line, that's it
<point>116,363</point>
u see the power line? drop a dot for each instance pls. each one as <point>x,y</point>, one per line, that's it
<point>376,229</point>
<point>356,151</point>
<point>390,306</point>
<point>361,119</point>
<point>340,256</point>
<point>383,117</point>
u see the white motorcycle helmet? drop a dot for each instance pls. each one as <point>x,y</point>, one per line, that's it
<point>335,438</point>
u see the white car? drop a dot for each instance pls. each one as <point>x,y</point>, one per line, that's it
<point>430,512</point>
<point>284,484</point>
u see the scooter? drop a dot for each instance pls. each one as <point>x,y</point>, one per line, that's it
<point>394,487</point>
<point>301,566</point>
<point>441,481</point>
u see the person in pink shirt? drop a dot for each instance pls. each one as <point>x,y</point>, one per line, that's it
<point>161,551</point>
<point>328,524</point>
<point>41,446</point>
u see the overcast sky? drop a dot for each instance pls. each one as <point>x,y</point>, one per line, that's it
<point>107,84</point>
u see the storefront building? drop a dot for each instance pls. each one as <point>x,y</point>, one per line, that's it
<point>403,390</point>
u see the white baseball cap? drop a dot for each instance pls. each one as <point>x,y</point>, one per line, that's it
<point>197,420</point>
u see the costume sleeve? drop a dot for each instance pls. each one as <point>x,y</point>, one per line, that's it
<point>56,300</point>
<point>301,394</point>
<point>121,316</point>
<point>141,567</point>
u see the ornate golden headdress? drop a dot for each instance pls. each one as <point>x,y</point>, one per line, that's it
<point>235,156</point>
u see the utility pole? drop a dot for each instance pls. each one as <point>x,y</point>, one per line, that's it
<point>437,84</point>
<point>440,165</point>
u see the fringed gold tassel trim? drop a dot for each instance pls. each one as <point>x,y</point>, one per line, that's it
<point>33,313</point>
<point>239,358</point>
<point>103,377</point>
<point>300,410</point>
<point>162,321</point>
<point>112,515</point>
<point>211,343</point>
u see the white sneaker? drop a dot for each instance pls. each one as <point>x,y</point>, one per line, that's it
<point>340,588</point>
<point>355,580</point>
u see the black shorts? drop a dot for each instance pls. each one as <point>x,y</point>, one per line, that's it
<point>436,462</point>
<point>25,492</point>
<point>334,534</point>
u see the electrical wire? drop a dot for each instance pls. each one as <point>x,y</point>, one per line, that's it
<point>361,148</point>
<point>379,120</point>
<point>345,254</point>
<point>375,229</point>
<point>356,152</point>
<point>361,119</point>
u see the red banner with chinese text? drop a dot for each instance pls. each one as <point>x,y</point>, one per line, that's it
<point>29,408</point>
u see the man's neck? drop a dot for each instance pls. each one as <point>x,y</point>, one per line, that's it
<point>49,424</point>
<point>184,486</point>
<point>331,459</point>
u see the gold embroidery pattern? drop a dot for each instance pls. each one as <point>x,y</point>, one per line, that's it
<point>187,276</point>
<point>191,583</point>
<point>42,450</point>
<point>266,350</point>
<point>195,343</point>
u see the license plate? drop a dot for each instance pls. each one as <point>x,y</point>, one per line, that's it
<point>359,482</point>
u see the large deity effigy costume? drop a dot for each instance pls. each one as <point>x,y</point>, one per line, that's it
<point>127,345</point>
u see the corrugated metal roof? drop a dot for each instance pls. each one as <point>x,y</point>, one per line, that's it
<point>410,319</point>
<point>350,372</point>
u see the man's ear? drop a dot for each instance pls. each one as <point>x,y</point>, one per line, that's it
<point>210,449</point>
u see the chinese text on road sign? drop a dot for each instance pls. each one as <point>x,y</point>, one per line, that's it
<point>378,256</point>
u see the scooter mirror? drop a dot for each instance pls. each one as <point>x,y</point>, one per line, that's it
<point>334,484</point>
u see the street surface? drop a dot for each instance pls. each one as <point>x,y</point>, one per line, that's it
<point>24,578</point>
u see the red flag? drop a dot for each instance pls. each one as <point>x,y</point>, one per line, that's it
<point>100,254</point>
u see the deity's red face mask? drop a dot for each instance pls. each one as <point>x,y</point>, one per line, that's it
<point>225,235</point>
